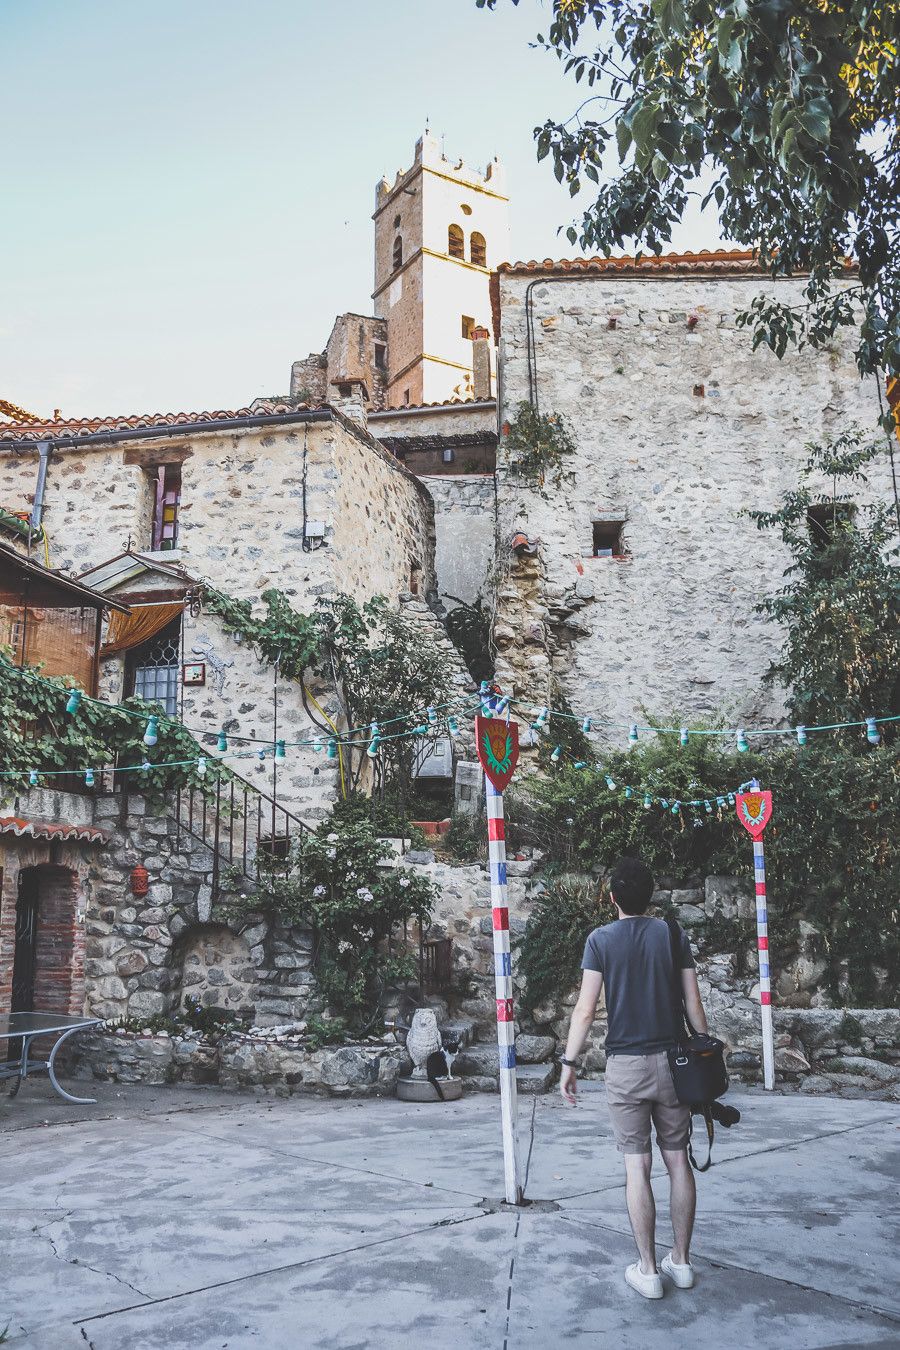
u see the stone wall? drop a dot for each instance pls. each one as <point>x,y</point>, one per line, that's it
<point>679,428</point>
<point>464,506</point>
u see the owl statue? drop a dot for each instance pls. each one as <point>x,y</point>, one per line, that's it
<point>422,1040</point>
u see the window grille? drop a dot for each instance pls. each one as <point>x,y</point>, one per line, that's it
<point>456,244</point>
<point>156,669</point>
<point>477,249</point>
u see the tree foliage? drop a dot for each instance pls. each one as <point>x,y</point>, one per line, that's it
<point>789,105</point>
<point>840,606</point>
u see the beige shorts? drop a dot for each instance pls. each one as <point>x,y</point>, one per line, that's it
<point>639,1089</point>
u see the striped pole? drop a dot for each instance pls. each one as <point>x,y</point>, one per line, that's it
<point>506,1033</point>
<point>762,946</point>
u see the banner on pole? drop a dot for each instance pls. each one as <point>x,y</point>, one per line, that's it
<point>754,811</point>
<point>497,742</point>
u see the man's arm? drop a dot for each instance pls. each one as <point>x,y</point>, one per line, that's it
<point>692,1002</point>
<point>583,1015</point>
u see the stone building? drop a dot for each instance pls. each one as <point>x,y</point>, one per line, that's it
<point>638,594</point>
<point>148,509</point>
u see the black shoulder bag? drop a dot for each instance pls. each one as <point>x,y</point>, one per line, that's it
<point>698,1060</point>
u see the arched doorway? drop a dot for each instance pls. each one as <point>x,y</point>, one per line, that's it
<point>44,974</point>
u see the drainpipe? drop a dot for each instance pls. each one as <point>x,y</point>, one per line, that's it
<point>37,510</point>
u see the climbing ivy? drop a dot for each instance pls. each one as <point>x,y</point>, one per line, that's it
<point>37,733</point>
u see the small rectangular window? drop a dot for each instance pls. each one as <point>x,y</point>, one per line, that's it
<point>167,482</point>
<point>468,325</point>
<point>607,542</point>
<point>406,397</point>
<point>380,356</point>
<point>822,517</point>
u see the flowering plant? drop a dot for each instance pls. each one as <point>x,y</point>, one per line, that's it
<point>337,884</point>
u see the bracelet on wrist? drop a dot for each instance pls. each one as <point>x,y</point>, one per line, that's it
<point>569,1063</point>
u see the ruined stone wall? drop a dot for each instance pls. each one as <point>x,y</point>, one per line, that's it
<point>679,428</point>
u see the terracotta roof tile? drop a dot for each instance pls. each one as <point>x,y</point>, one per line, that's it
<point>36,829</point>
<point>88,426</point>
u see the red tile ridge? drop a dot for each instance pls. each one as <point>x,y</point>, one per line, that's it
<point>86,426</point>
<point>36,829</point>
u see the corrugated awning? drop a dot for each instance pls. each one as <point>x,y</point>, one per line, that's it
<point>142,623</point>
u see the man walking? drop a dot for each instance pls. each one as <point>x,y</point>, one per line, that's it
<point>631,958</point>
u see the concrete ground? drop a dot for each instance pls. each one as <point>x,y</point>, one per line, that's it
<point>198,1218</point>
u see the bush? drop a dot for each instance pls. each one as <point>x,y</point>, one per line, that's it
<point>832,850</point>
<point>335,885</point>
<point>550,952</point>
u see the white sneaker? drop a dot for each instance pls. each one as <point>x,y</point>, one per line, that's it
<point>682,1276</point>
<point>650,1286</point>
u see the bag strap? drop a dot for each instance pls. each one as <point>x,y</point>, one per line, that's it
<point>710,1135</point>
<point>681,1017</point>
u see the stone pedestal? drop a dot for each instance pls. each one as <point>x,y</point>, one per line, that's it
<point>423,1090</point>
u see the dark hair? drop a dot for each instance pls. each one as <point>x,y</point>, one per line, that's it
<point>631,885</point>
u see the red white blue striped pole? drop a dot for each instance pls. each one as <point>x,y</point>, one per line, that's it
<point>762,950</point>
<point>503,985</point>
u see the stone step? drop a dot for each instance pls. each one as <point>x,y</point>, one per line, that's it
<point>535,1078</point>
<point>461,1031</point>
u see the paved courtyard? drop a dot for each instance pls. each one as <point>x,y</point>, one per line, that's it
<point>193,1217</point>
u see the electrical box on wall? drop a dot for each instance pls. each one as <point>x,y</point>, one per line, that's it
<point>315,529</point>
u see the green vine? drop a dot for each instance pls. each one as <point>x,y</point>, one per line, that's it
<point>540,443</point>
<point>37,733</point>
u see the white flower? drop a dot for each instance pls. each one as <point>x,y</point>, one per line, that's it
<point>364,894</point>
<point>331,853</point>
<point>404,882</point>
<point>319,890</point>
<point>345,946</point>
<point>332,838</point>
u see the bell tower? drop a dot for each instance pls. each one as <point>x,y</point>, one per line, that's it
<point>440,229</point>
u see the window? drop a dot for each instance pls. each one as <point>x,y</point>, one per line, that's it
<point>456,242</point>
<point>396,222</point>
<point>823,517</point>
<point>466,210</point>
<point>607,541</point>
<point>398,252</point>
<point>448,455</point>
<point>406,397</point>
<point>167,483</point>
<point>477,249</point>
<point>380,356</point>
<point>155,667</point>
<point>468,326</point>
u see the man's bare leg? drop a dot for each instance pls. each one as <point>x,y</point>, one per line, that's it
<point>682,1202</point>
<point>641,1208</point>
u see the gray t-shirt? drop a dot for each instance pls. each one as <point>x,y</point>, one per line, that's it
<point>634,957</point>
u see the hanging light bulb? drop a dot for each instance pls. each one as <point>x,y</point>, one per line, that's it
<point>580,764</point>
<point>503,704</point>
<point>146,766</point>
<point>720,801</point>
<point>742,740</point>
<point>151,735</point>
<point>633,734</point>
<point>453,726</point>
<point>432,717</point>
<point>708,808</point>
<point>89,778</point>
<point>74,702</point>
<point>648,801</point>
<point>372,747</point>
<point>586,725</point>
<point>421,730</point>
<point>684,735</point>
<point>557,755</point>
<point>664,803</point>
<point>676,807</point>
<point>222,744</point>
<point>33,778</point>
<point>629,792</point>
<point>610,782</point>
<point>873,735</point>
<point>279,754</point>
<point>201,767</point>
<point>801,735</point>
<point>541,720</point>
<point>318,745</point>
<point>261,756</point>
<point>731,799</point>
<point>332,750</point>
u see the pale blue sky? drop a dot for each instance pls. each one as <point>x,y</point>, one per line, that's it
<point>188,184</point>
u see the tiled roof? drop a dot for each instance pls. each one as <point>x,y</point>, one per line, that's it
<point>36,829</point>
<point>77,427</point>
<point>440,403</point>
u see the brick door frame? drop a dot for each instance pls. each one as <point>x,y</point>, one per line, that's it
<point>59,958</point>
